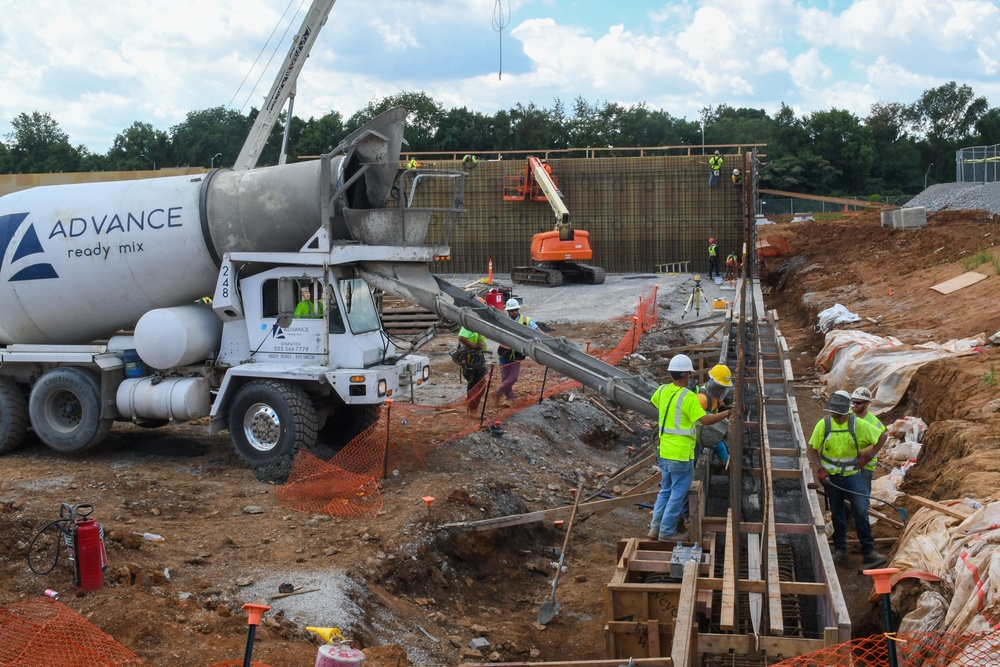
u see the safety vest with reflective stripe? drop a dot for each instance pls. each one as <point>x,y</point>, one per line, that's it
<point>715,162</point>
<point>840,446</point>
<point>874,421</point>
<point>679,409</point>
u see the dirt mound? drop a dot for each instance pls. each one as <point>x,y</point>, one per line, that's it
<point>884,275</point>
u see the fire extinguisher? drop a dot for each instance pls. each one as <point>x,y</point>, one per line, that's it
<point>84,540</point>
<point>87,553</point>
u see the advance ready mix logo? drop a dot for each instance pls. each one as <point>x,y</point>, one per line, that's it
<point>27,253</point>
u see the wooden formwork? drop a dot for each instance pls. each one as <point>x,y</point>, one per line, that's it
<point>641,616</point>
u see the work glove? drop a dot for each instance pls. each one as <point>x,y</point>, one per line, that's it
<point>822,476</point>
<point>863,460</point>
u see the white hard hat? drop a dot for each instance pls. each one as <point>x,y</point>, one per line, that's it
<point>736,172</point>
<point>716,152</point>
<point>512,304</point>
<point>681,363</point>
<point>862,394</point>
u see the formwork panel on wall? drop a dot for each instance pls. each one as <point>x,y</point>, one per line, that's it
<point>639,212</point>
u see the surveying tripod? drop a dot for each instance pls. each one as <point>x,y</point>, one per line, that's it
<point>697,296</point>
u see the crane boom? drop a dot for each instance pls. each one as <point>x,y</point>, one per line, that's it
<point>284,83</point>
<point>552,194</point>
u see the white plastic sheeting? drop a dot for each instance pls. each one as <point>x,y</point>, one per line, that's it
<point>885,365</point>
<point>964,556</point>
<point>834,315</point>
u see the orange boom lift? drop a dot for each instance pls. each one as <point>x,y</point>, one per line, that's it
<point>560,251</point>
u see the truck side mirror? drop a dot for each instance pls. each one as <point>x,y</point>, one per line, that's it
<point>286,301</point>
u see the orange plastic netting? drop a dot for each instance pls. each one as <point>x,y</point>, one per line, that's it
<point>42,632</point>
<point>348,484</point>
<point>918,649</point>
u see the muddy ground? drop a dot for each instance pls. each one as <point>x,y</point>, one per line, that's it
<point>410,590</point>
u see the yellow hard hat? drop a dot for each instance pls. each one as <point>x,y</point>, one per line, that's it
<point>722,375</point>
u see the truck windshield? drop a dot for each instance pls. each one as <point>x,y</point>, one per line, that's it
<point>360,305</point>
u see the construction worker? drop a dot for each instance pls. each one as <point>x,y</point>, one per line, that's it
<point>510,360</point>
<point>737,178</point>
<point>305,307</point>
<point>714,169</point>
<point>413,164</point>
<point>715,395</point>
<point>470,161</point>
<point>679,411</point>
<point>859,406</point>
<point>839,447</point>
<point>713,259</point>
<point>732,267</point>
<point>472,358</point>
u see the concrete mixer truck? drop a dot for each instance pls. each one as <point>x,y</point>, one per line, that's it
<point>101,290</point>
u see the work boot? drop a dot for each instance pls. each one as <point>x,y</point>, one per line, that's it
<point>676,537</point>
<point>839,556</point>
<point>873,557</point>
<point>653,533</point>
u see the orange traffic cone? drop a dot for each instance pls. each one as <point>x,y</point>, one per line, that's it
<point>490,276</point>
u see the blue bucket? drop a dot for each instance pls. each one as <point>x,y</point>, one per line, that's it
<point>134,368</point>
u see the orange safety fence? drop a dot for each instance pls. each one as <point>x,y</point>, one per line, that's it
<point>913,649</point>
<point>347,485</point>
<point>41,632</point>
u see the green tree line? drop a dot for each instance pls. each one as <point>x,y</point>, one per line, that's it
<point>892,151</point>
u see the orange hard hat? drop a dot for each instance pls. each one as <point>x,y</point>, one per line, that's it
<point>711,240</point>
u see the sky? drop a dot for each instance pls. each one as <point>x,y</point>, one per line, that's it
<point>97,67</point>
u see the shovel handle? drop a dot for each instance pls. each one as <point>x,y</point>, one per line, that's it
<point>569,527</point>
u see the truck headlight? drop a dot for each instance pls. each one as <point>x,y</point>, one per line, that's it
<point>426,373</point>
<point>382,387</point>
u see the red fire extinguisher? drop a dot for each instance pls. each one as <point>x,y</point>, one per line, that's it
<point>86,547</point>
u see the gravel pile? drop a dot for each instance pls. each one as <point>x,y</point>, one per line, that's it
<point>959,196</point>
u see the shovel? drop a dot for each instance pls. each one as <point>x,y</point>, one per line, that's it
<point>550,607</point>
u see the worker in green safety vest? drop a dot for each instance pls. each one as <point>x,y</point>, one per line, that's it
<point>839,447</point>
<point>860,400</point>
<point>714,169</point>
<point>679,411</point>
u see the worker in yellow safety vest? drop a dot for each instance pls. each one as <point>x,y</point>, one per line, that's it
<point>679,411</point>
<point>714,169</point>
<point>860,400</point>
<point>413,164</point>
<point>839,447</point>
<point>713,259</point>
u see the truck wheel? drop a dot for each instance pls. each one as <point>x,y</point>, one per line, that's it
<point>65,409</point>
<point>13,415</point>
<point>269,420</point>
<point>347,422</point>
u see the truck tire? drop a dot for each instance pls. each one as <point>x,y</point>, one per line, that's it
<point>347,422</point>
<point>65,409</point>
<point>271,420</point>
<point>13,415</point>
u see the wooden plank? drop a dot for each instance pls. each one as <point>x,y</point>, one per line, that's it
<point>786,587</point>
<point>727,619</point>
<point>625,427</point>
<point>554,513</point>
<point>646,662</point>
<point>961,512</point>
<point>829,200</point>
<point>959,282</point>
<point>753,568</point>
<point>682,652</point>
<point>716,523</point>
<point>744,645</point>
<point>653,638</point>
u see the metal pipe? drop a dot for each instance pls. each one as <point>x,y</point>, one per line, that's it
<point>414,282</point>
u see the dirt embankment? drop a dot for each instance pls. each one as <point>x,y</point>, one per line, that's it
<point>885,274</point>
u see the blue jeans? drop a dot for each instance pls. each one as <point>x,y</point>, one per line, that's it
<point>675,480</point>
<point>851,488</point>
<point>713,178</point>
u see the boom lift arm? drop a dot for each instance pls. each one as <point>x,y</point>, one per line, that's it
<point>284,84</point>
